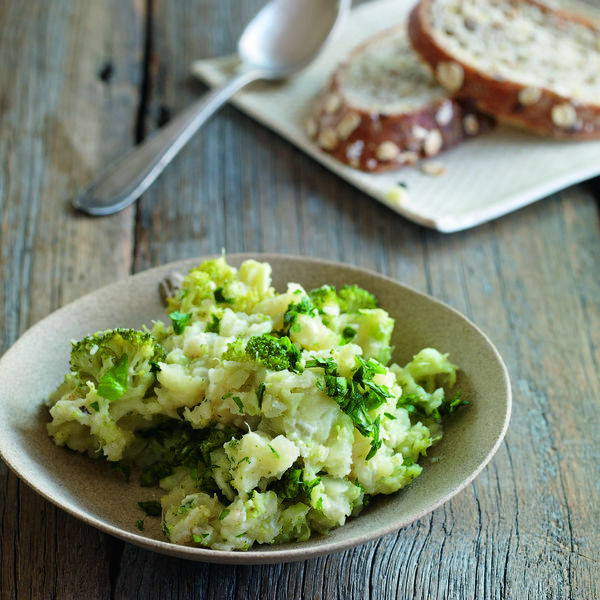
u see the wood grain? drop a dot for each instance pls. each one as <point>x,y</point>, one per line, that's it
<point>526,528</point>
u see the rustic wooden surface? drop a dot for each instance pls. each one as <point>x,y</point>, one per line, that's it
<point>82,81</point>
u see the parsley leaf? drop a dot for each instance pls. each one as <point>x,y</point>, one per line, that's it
<point>151,507</point>
<point>290,317</point>
<point>356,396</point>
<point>224,513</point>
<point>154,367</point>
<point>185,507</point>
<point>348,334</point>
<point>239,403</point>
<point>219,297</point>
<point>453,404</point>
<point>140,524</point>
<point>113,383</point>
<point>260,392</point>
<point>214,325</point>
<point>95,406</point>
<point>121,468</point>
<point>152,474</point>
<point>180,321</point>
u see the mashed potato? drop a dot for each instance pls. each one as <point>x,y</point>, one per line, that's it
<point>264,417</point>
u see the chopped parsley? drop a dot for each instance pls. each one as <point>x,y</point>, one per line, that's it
<point>348,334</point>
<point>113,384</point>
<point>140,524</point>
<point>199,538</point>
<point>151,507</point>
<point>180,321</point>
<point>453,404</point>
<point>260,392</point>
<point>291,485</point>
<point>214,325</point>
<point>219,297</point>
<point>185,507</point>
<point>95,406</point>
<point>290,317</point>
<point>274,451</point>
<point>153,473</point>
<point>121,468</point>
<point>356,396</point>
<point>154,367</point>
<point>224,513</point>
<point>239,403</point>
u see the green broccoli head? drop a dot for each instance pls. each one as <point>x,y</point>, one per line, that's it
<point>349,299</point>
<point>354,298</point>
<point>277,354</point>
<point>123,358</point>
<point>324,297</point>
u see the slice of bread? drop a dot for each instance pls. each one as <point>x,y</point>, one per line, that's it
<point>519,60</point>
<point>383,108</point>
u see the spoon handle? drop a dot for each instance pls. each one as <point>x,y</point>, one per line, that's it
<point>123,181</point>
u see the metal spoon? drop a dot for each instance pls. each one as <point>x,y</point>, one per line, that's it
<point>283,38</point>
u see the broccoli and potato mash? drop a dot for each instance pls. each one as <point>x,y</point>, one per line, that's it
<point>263,416</point>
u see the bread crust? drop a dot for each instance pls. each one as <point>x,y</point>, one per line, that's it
<point>540,109</point>
<point>374,141</point>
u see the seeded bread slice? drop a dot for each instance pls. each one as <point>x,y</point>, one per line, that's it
<point>519,60</point>
<point>383,108</point>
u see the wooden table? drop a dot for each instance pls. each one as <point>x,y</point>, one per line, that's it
<point>81,82</point>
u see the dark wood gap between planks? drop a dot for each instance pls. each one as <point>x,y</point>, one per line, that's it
<point>144,103</point>
<point>116,546</point>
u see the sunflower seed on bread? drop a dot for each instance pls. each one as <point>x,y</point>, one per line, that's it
<point>520,61</point>
<point>383,108</point>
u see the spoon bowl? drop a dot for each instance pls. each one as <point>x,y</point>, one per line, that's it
<point>286,35</point>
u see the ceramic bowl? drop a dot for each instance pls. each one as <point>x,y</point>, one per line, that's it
<point>37,362</point>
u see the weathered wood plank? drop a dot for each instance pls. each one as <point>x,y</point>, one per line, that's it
<point>68,95</point>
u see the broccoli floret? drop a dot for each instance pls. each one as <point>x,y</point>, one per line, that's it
<point>102,356</point>
<point>354,298</point>
<point>277,354</point>
<point>214,283</point>
<point>349,299</point>
<point>324,297</point>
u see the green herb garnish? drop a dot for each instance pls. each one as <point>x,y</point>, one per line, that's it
<point>113,383</point>
<point>348,334</point>
<point>151,507</point>
<point>121,468</point>
<point>260,392</point>
<point>239,403</point>
<point>219,297</point>
<point>180,321</point>
<point>214,325</point>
